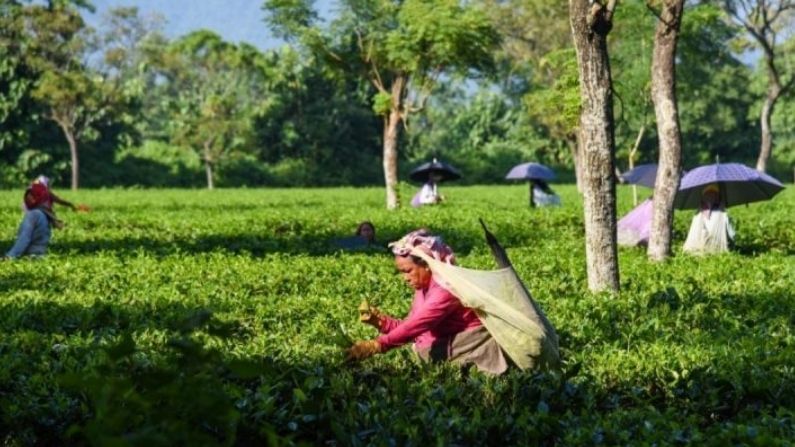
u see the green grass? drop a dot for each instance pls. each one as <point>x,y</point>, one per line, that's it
<point>181,317</point>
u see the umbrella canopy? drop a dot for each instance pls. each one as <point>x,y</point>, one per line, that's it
<point>443,171</point>
<point>644,175</point>
<point>531,171</point>
<point>738,184</point>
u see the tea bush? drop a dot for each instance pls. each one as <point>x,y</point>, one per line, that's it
<point>178,317</point>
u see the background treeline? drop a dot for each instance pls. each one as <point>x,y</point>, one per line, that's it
<point>124,105</point>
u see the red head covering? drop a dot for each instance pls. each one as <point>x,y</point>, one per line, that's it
<point>37,195</point>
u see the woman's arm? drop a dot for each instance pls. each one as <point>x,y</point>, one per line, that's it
<point>61,201</point>
<point>387,324</point>
<point>438,304</point>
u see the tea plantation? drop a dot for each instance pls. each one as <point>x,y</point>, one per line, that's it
<point>177,317</point>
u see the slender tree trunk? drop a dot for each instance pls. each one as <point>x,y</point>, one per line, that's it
<point>208,167</point>
<point>765,149</point>
<point>631,160</point>
<point>72,140</point>
<point>391,136</point>
<point>663,94</point>
<point>590,24</point>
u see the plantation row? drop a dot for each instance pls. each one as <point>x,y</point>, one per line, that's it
<point>216,318</point>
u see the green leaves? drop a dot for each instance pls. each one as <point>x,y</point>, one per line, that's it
<point>218,318</point>
<point>382,103</point>
<point>341,338</point>
<point>289,19</point>
<point>212,96</point>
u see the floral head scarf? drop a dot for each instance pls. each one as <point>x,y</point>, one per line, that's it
<point>422,239</point>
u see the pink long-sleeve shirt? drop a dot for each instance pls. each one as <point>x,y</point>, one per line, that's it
<point>435,313</point>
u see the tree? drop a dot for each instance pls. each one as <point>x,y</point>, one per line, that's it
<point>630,62</point>
<point>530,30</point>
<point>481,132</point>
<point>211,96</point>
<point>715,90</point>
<point>663,88</point>
<point>75,98</point>
<point>316,117</point>
<point>400,47</point>
<point>556,105</point>
<point>591,22</point>
<point>16,78</point>
<point>126,42</point>
<point>764,20</point>
<point>537,65</point>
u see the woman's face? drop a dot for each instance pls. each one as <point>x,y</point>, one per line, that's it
<point>367,232</point>
<point>710,198</point>
<point>30,200</point>
<point>417,276</point>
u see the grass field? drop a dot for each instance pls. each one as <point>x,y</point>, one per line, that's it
<point>180,317</point>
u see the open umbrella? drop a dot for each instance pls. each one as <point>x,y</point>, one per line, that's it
<point>442,171</point>
<point>644,175</point>
<point>530,171</point>
<point>738,184</point>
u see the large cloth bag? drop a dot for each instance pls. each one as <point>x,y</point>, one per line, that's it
<point>505,308</point>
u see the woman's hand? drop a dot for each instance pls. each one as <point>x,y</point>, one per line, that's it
<point>362,349</point>
<point>370,315</point>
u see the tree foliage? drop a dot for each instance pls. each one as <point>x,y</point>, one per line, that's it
<point>766,22</point>
<point>212,96</point>
<point>74,96</point>
<point>325,99</point>
<point>401,48</point>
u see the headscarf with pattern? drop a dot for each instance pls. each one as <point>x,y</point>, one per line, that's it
<point>422,239</point>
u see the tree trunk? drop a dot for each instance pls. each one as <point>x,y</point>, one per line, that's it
<point>72,140</point>
<point>663,93</point>
<point>631,160</point>
<point>208,167</point>
<point>576,155</point>
<point>391,135</point>
<point>590,24</point>
<point>765,149</point>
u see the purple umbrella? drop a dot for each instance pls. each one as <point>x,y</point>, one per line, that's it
<point>634,228</point>
<point>531,171</point>
<point>738,184</point>
<point>644,175</point>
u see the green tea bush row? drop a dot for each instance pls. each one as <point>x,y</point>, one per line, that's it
<point>217,318</point>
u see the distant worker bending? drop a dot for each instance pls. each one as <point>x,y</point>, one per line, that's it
<point>34,232</point>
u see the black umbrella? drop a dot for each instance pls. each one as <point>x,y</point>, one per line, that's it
<point>440,170</point>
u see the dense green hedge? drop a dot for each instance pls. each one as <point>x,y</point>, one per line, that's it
<point>213,317</point>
